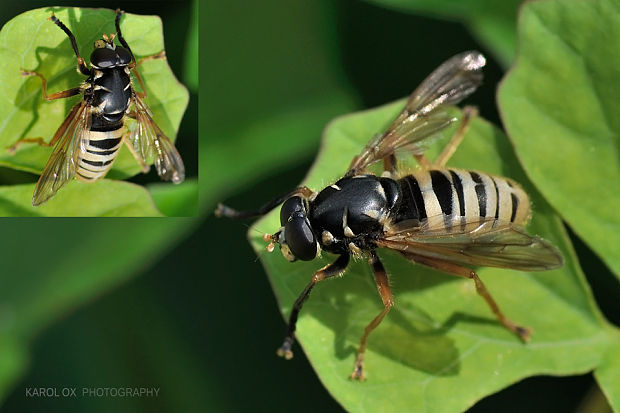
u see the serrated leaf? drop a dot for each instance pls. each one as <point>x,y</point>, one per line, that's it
<point>560,104</point>
<point>440,338</point>
<point>30,41</point>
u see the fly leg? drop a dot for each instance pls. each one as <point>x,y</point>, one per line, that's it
<point>453,269</point>
<point>469,112</point>
<point>389,164</point>
<point>331,270</point>
<point>228,212</point>
<point>134,64</point>
<point>156,56</point>
<point>160,55</point>
<point>145,167</point>
<point>58,95</point>
<point>81,66</point>
<point>423,161</point>
<point>39,141</point>
<point>386,296</point>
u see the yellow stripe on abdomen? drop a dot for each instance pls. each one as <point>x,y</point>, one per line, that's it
<point>101,150</point>
<point>454,197</point>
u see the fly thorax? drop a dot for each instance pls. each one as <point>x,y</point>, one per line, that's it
<point>351,208</point>
<point>111,92</point>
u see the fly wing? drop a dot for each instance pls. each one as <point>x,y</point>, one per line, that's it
<point>71,139</point>
<point>486,243</point>
<point>153,146</point>
<point>425,113</point>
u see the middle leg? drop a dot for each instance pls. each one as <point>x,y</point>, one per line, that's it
<point>386,296</point>
<point>58,95</point>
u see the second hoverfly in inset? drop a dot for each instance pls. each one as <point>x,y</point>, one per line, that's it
<point>443,218</point>
<point>87,142</point>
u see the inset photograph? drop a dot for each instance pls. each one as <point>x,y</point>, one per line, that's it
<point>97,119</point>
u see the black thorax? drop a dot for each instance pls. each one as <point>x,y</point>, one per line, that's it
<point>352,210</point>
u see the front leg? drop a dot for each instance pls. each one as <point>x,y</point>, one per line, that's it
<point>81,65</point>
<point>331,270</point>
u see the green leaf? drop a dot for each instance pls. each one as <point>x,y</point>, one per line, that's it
<point>608,373</point>
<point>440,338</point>
<point>176,200</point>
<point>30,41</point>
<point>190,74</point>
<point>103,198</point>
<point>560,107</point>
<point>492,22</point>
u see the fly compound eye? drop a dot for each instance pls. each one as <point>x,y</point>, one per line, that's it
<point>291,206</point>
<point>300,238</point>
<point>124,57</point>
<point>103,57</point>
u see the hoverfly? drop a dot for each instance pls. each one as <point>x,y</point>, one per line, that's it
<point>443,218</point>
<point>88,141</point>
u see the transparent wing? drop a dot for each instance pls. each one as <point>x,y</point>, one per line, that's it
<point>153,146</point>
<point>486,243</point>
<point>71,140</point>
<point>425,113</point>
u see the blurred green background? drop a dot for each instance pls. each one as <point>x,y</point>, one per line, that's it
<point>184,305</point>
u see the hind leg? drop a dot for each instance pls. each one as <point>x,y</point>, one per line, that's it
<point>469,112</point>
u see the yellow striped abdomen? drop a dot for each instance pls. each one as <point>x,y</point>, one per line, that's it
<point>99,154</point>
<point>446,198</point>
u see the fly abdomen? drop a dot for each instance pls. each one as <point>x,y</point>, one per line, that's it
<point>445,198</point>
<point>101,150</point>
